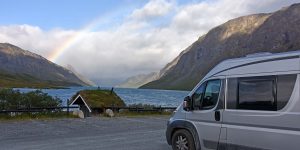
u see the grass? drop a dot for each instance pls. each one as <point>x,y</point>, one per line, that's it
<point>101,98</point>
<point>41,116</point>
<point>141,114</point>
<point>26,81</point>
<point>132,113</point>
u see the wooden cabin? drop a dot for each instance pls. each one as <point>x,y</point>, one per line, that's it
<point>83,105</point>
<point>94,101</point>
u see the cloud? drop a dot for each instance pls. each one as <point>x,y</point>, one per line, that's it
<point>202,16</point>
<point>140,44</point>
<point>153,9</point>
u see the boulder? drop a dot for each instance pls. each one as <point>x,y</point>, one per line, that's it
<point>78,113</point>
<point>109,113</point>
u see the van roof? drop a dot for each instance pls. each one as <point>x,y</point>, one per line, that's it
<point>264,55</point>
<point>251,59</point>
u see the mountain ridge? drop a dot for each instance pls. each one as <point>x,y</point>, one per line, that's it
<point>22,68</point>
<point>266,32</point>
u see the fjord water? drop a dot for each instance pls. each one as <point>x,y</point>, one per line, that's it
<point>130,96</point>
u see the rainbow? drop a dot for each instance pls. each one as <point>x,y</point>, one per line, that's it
<point>69,42</point>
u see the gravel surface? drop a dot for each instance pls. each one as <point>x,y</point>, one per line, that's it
<point>139,133</point>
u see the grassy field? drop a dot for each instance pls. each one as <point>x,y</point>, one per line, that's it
<point>27,81</point>
<point>29,116</point>
<point>136,114</point>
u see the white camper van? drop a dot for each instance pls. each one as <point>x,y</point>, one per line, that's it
<point>245,103</point>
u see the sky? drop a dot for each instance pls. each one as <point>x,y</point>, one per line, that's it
<point>108,41</point>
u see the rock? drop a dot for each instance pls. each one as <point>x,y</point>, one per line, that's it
<point>78,113</point>
<point>12,114</point>
<point>75,112</point>
<point>109,113</point>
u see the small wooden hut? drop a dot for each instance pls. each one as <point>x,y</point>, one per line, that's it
<point>83,106</point>
<point>94,101</point>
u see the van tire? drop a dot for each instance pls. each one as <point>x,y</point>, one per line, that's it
<point>183,139</point>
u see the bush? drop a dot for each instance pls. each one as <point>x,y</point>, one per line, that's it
<point>140,105</point>
<point>13,99</point>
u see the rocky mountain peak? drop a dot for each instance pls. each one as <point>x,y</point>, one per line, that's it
<point>273,32</point>
<point>24,65</point>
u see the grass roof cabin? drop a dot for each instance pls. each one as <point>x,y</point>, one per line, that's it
<point>94,101</point>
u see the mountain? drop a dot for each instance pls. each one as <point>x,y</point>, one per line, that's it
<point>138,80</point>
<point>21,68</point>
<point>81,77</point>
<point>271,32</point>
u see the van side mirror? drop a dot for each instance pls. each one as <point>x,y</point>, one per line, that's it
<point>187,104</point>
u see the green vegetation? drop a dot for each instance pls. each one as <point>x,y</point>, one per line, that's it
<point>135,114</point>
<point>23,80</point>
<point>38,115</point>
<point>141,105</point>
<point>13,99</point>
<point>143,113</point>
<point>101,98</point>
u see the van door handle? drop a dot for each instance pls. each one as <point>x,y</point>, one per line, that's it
<point>217,115</point>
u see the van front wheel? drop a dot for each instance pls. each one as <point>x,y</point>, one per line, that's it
<point>183,140</point>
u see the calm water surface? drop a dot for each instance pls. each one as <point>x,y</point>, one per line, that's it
<point>130,96</point>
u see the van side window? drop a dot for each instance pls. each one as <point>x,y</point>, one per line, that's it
<point>256,93</point>
<point>285,87</point>
<point>232,93</point>
<point>206,96</point>
<point>260,93</point>
<point>197,96</point>
<point>211,94</point>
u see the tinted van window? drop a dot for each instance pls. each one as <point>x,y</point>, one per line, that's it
<point>285,86</point>
<point>197,96</point>
<point>207,95</point>
<point>232,93</point>
<point>256,94</point>
<point>211,94</point>
<point>260,93</point>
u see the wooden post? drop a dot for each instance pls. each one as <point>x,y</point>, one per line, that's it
<point>68,111</point>
<point>112,90</point>
<point>160,109</point>
<point>29,110</point>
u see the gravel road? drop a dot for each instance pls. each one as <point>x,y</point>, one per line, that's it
<point>139,133</point>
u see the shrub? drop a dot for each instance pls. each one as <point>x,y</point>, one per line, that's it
<point>14,99</point>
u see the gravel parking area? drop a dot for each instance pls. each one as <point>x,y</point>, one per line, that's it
<point>138,133</point>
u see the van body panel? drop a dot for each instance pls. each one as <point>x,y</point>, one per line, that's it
<point>266,114</point>
<point>270,67</point>
<point>207,128</point>
<point>284,62</point>
<point>265,129</point>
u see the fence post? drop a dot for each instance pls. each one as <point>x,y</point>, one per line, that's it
<point>68,111</point>
<point>160,109</point>
<point>29,111</point>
